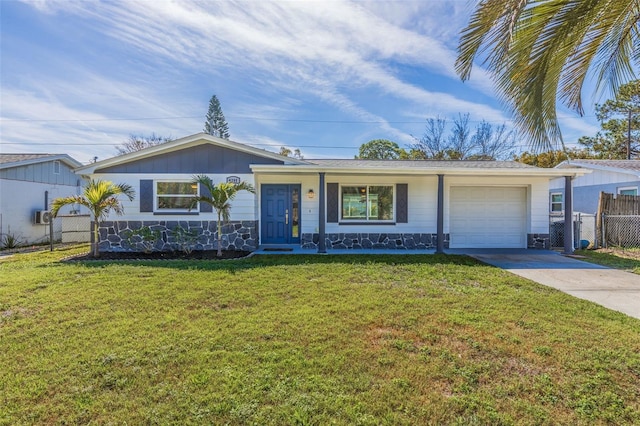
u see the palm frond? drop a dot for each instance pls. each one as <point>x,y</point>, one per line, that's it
<point>541,52</point>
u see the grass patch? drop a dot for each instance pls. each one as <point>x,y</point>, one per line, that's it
<point>628,260</point>
<point>307,340</point>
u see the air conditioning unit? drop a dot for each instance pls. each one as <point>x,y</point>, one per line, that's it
<point>43,217</point>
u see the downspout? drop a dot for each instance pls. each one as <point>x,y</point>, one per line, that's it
<point>568,216</point>
<point>322,215</point>
<point>440,218</point>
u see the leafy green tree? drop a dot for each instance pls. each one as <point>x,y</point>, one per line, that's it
<point>216,125</point>
<point>541,51</point>
<point>380,149</point>
<point>620,121</point>
<point>286,152</point>
<point>100,197</point>
<point>549,159</point>
<point>138,142</point>
<point>222,194</point>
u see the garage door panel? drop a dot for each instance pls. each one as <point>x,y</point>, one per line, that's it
<point>487,217</point>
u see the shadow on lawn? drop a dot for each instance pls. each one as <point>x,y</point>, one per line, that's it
<point>259,261</point>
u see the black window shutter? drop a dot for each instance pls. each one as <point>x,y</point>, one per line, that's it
<point>402,203</point>
<point>146,195</point>
<point>205,207</point>
<point>332,203</point>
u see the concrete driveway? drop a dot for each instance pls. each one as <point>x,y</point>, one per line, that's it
<point>611,288</point>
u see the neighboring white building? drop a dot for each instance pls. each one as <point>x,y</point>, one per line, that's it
<point>28,185</point>
<point>610,176</point>
<point>325,204</point>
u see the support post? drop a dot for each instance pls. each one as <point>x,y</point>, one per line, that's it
<point>440,217</point>
<point>568,216</point>
<point>322,215</point>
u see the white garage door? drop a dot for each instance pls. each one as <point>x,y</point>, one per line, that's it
<point>488,217</point>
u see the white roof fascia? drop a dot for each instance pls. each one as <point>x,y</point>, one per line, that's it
<point>72,163</point>
<point>182,143</point>
<point>574,163</point>
<point>459,171</point>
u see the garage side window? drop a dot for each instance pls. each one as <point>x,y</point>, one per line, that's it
<point>175,196</point>
<point>367,203</point>
<point>556,202</point>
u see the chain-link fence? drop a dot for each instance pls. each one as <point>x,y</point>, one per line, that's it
<point>584,231</point>
<point>75,228</point>
<point>621,231</point>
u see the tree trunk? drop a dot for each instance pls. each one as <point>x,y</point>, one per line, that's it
<point>96,239</point>
<point>219,253</point>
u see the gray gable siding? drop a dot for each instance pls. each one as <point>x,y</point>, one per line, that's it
<point>198,159</point>
<point>41,173</point>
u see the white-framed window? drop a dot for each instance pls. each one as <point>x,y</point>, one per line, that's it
<point>367,203</point>
<point>175,195</point>
<point>56,167</point>
<point>557,201</point>
<point>628,190</point>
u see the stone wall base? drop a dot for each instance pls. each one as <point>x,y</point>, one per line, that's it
<point>374,241</point>
<point>538,241</point>
<point>114,235</point>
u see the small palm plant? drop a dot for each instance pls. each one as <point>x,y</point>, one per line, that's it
<point>100,197</point>
<point>222,194</point>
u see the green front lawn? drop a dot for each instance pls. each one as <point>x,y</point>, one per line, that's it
<point>628,260</point>
<point>308,340</point>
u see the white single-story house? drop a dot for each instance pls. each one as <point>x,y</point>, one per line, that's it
<point>28,185</point>
<point>610,176</point>
<point>327,204</point>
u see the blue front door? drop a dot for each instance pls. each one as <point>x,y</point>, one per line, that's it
<point>280,214</point>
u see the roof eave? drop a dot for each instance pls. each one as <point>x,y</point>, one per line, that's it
<point>65,158</point>
<point>182,143</point>
<point>592,166</point>
<point>458,171</point>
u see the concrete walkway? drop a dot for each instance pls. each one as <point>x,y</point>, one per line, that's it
<point>611,288</point>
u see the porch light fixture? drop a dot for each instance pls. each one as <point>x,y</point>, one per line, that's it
<point>311,194</point>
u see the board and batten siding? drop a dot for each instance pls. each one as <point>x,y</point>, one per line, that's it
<point>42,173</point>
<point>200,159</point>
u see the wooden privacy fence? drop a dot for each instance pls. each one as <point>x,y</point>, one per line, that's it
<point>618,204</point>
<point>618,220</point>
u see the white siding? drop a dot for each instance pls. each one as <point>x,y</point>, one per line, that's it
<point>19,200</point>
<point>242,208</point>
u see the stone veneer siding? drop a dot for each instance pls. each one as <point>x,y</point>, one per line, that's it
<point>235,235</point>
<point>539,241</point>
<point>374,241</point>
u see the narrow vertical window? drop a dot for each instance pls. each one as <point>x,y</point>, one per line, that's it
<point>56,167</point>
<point>556,203</point>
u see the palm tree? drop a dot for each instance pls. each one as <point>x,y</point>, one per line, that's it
<point>100,197</point>
<point>541,51</point>
<point>220,198</point>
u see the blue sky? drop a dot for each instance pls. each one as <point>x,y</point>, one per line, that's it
<point>79,77</point>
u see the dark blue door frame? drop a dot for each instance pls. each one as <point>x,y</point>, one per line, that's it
<point>280,214</point>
